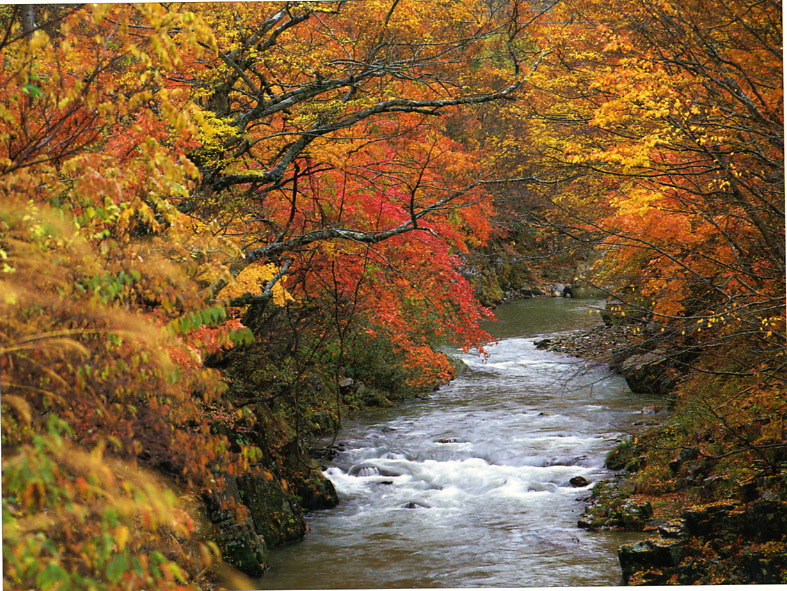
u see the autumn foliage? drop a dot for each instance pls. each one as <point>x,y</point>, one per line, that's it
<point>142,171</point>
<point>102,332</point>
<point>666,150</point>
<point>320,171</point>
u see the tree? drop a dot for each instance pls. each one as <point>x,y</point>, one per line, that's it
<point>147,153</point>
<point>102,336</point>
<point>659,129</point>
<point>302,88</point>
<point>323,136</point>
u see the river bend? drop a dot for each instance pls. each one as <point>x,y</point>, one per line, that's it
<point>471,487</point>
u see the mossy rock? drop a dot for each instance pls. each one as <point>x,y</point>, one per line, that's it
<point>612,509</point>
<point>315,491</point>
<point>276,515</point>
<point>650,562</point>
<point>240,544</point>
<point>488,290</point>
<point>621,455</point>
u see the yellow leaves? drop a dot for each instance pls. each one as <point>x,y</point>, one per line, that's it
<point>253,280</point>
<point>20,405</point>
<point>210,127</point>
<point>6,268</point>
<point>38,40</point>
<point>639,200</point>
<point>121,535</point>
<point>107,514</point>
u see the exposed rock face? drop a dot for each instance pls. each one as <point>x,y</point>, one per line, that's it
<point>653,558</point>
<point>240,544</point>
<point>275,514</point>
<point>649,373</point>
<point>277,518</point>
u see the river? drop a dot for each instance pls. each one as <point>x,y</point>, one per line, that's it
<point>471,487</point>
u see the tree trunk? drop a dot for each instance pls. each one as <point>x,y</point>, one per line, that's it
<point>27,12</point>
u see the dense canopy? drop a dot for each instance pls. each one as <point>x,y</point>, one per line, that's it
<point>194,195</point>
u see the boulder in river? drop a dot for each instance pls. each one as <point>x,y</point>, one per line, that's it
<point>370,470</point>
<point>414,505</point>
<point>315,491</point>
<point>448,440</point>
<point>579,481</point>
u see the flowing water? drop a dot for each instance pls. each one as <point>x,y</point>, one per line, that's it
<point>471,487</point>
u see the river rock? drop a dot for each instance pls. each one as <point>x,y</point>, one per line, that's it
<point>673,529</point>
<point>612,509</point>
<point>651,559</point>
<point>414,505</point>
<point>362,471</point>
<point>315,491</point>
<point>625,455</point>
<point>326,453</point>
<point>704,520</point>
<point>369,470</point>
<point>276,515</point>
<point>579,481</point>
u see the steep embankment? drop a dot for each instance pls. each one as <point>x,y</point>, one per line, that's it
<point>711,486</point>
<point>520,261</point>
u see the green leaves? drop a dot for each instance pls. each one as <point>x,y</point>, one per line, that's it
<point>61,504</point>
<point>197,319</point>
<point>32,90</point>
<point>116,567</point>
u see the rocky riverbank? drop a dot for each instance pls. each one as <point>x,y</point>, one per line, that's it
<point>599,343</point>
<point>627,350</point>
<point>712,522</point>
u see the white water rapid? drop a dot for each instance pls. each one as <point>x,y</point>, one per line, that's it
<point>471,486</point>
